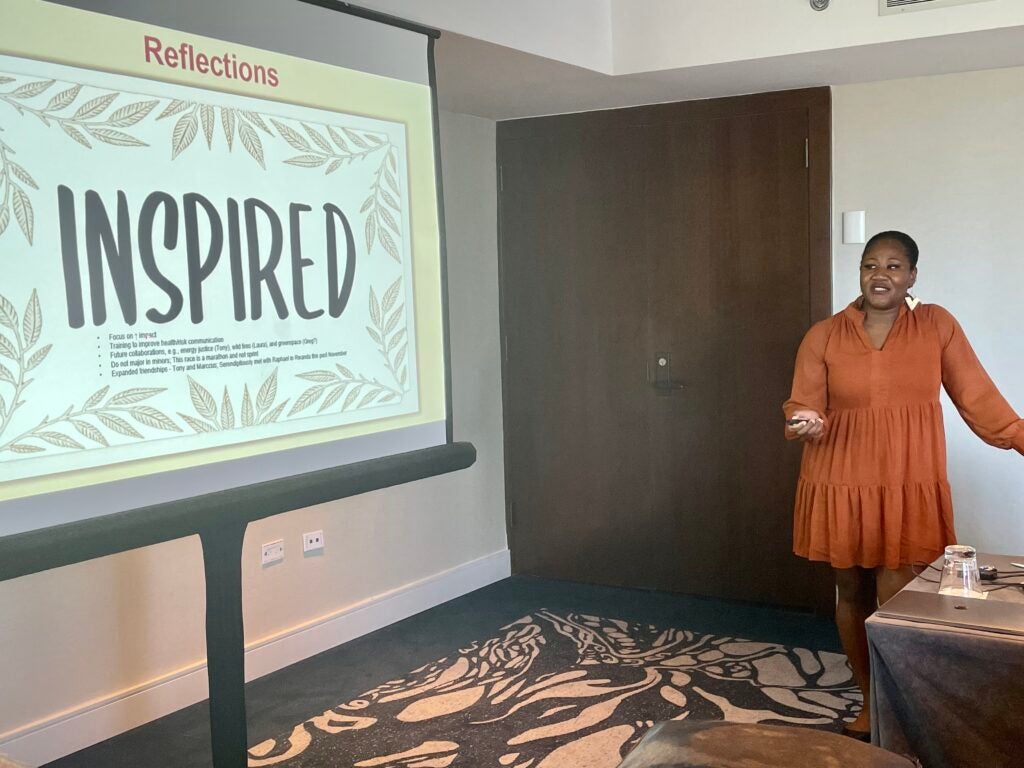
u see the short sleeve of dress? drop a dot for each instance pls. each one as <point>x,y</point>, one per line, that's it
<point>980,404</point>
<point>810,375</point>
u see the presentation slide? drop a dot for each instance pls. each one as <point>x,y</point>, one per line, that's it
<point>210,252</point>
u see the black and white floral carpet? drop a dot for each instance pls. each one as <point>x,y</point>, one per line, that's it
<point>563,690</point>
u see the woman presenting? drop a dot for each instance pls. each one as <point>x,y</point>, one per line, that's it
<point>873,497</point>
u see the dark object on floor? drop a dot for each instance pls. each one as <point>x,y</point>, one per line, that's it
<point>729,745</point>
<point>864,736</point>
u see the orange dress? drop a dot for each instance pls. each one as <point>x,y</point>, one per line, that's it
<point>873,491</point>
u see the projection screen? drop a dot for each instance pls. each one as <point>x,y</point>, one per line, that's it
<point>222,255</point>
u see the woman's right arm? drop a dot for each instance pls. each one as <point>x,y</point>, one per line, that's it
<point>809,396</point>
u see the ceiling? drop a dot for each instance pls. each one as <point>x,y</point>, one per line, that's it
<point>481,78</point>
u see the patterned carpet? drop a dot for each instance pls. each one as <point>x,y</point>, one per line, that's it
<point>564,690</point>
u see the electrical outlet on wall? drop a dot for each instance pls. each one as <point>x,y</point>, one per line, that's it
<point>273,552</point>
<point>312,541</point>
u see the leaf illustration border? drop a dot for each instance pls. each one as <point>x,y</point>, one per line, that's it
<point>19,337</point>
<point>323,145</point>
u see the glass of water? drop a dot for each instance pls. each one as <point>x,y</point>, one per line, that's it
<point>960,577</point>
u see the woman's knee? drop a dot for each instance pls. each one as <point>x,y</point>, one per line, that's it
<point>855,586</point>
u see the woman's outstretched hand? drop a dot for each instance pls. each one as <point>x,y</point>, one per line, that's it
<point>810,428</point>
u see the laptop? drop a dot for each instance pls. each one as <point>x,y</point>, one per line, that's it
<point>968,613</point>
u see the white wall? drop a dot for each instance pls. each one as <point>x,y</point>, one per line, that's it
<point>574,31</point>
<point>940,158</point>
<point>668,34</point>
<point>623,37</point>
<point>78,640</point>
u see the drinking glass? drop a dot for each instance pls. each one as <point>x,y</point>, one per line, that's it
<point>960,577</point>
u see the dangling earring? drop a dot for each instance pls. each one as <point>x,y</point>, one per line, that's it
<point>912,302</point>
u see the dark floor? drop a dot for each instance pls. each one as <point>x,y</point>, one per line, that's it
<point>278,702</point>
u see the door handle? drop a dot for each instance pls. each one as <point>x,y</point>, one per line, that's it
<point>662,379</point>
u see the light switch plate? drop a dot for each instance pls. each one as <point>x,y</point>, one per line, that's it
<point>853,227</point>
<point>273,552</point>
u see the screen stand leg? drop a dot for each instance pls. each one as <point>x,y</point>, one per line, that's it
<point>225,642</point>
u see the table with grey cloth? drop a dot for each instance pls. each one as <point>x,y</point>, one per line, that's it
<point>953,697</point>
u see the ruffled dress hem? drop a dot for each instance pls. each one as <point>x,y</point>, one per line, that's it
<point>871,526</point>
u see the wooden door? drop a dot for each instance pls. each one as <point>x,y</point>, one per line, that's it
<point>679,234</point>
<point>728,220</point>
<point>574,305</point>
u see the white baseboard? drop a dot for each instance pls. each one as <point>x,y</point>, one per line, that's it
<point>92,722</point>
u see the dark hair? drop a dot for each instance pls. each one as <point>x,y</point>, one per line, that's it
<point>902,239</point>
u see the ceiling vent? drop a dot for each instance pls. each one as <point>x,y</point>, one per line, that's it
<point>887,7</point>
